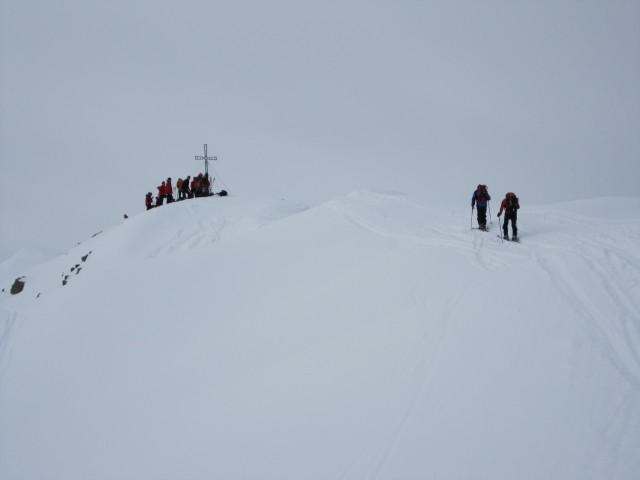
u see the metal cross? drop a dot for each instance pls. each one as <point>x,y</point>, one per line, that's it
<point>206,160</point>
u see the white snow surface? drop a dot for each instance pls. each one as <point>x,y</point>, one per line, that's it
<point>371,337</point>
<point>23,259</point>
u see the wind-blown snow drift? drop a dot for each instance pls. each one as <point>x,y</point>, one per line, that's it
<point>371,337</point>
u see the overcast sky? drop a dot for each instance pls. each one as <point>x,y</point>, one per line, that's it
<point>309,100</point>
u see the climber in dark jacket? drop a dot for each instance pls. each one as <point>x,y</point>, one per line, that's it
<point>480,198</point>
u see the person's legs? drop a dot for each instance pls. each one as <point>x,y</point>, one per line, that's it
<point>482,216</point>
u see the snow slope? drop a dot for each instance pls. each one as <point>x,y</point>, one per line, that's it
<point>372,337</point>
<point>24,259</point>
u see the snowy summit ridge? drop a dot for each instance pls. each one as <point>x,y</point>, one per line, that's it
<point>370,337</point>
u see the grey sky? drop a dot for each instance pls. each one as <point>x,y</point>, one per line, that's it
<point>100,101</point>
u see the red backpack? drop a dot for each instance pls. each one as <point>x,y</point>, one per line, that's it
<point>482,194</point>
<point>512,203</point>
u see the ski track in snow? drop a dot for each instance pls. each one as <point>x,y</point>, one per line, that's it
<point>202,230</point>
<point>402,405</point>
<point>8,325</point>
<point>616,329</point>
<point>605,262</point>
<point>205,228</point>
<point>615,435</point>
<point>420,365</point>
<point>613,326</point>
<point>412,232</point>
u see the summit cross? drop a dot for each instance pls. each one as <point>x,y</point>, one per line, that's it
<point>206,160</point>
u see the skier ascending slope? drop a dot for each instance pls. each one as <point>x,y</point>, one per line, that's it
<point>481,197</point>
<point>510,205</point>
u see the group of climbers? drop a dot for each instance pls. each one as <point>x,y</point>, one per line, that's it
<point>165,192</point>
<point>510,206</point>
<point>199,186</point>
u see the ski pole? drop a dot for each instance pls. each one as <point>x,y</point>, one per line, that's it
<point>500,223</point>
<point>471,219</point>
<point>489,207</point>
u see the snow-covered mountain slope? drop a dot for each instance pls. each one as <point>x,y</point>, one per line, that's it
<point>372,337</point>
<point>24,259</point>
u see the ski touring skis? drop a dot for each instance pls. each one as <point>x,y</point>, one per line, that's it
<point>517,240</point>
